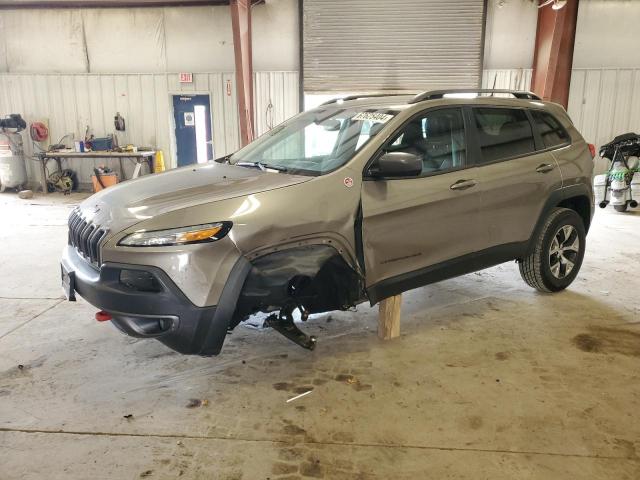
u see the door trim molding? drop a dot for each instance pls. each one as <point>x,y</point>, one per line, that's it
<point>471,262</point>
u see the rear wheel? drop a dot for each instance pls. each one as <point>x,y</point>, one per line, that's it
<point>620,208</point>
<point>558,252</point>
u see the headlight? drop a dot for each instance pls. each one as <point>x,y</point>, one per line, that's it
<point>209,232</point>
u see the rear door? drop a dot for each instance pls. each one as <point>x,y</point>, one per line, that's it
<point>413,224</point>
<point>515,172</point>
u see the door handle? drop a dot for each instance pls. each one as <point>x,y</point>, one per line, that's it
<point>545,168</point>
<point>463,184</point>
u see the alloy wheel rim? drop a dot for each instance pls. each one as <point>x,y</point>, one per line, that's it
<point>563,252</point>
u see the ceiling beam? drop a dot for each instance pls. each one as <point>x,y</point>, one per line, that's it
<point>15,4</point>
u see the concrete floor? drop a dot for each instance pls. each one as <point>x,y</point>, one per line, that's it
<point>488,380</point>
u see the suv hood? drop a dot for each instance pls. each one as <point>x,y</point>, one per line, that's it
<point>125,204</point>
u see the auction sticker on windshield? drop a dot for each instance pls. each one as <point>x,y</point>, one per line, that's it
<point>372,117</point>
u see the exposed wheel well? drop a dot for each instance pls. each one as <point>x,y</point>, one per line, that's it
<point>581,205</point>
<point>313,276</point>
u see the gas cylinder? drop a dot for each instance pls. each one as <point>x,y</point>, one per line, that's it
<point>13,173</point>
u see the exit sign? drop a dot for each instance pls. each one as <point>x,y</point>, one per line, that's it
<point>186,78</point>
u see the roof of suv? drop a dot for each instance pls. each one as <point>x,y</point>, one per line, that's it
<point>437,97</point>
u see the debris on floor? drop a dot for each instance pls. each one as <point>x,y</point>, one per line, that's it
<point>299,396</point>
<point>196,402</point>
<point>25,194</point>
<point>344,377</point>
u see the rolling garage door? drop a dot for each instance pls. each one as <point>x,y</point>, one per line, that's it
<point>361,46</point>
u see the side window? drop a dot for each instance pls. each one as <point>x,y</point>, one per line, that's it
<point>437,138</point>
<point>550,129</point>
<point>503,133</point>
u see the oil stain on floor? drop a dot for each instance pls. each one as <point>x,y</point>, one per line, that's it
<point>609,340</point>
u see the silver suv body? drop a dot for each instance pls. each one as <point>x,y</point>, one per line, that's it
<point>356,200</point>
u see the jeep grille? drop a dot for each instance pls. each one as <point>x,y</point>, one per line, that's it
<point>85,237</point>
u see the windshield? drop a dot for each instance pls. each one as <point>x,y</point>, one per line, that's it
<point>314,142</point>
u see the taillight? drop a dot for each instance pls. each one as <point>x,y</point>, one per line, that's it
<point>592,149</point>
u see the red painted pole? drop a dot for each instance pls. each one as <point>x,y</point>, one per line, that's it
<point>241,25</point>
<point>553,54</point>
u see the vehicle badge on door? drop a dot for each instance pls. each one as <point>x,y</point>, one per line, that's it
<point>348,182</point>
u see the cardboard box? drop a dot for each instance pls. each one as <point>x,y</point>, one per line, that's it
<point>108,179</point>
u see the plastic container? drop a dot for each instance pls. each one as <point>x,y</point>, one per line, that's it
<point>599,187</point>
<point>102,144</point>
<point>635,186</point>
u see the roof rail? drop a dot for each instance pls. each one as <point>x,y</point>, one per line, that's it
<point>355,97</point>
<point>434,94</point>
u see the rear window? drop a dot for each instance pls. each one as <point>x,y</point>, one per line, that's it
<point>551,130</point>
<point>503,133</point>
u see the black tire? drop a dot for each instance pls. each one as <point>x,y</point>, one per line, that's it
<point>535,269</point>
<point>620,208</point>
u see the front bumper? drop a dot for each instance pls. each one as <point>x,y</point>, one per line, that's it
<point>165,313</point>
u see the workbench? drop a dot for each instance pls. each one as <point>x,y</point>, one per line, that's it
<point>140,158</point>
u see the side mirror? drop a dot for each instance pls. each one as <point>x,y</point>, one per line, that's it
<point>399,164</point>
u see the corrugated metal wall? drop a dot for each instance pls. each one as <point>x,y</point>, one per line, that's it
<point>72,102</point>
<point>377,45</point>
<point>602,102</point>
<point>144,40</point>
<point>605,102</point>
<point>514,78</point>
<point>276,96</point>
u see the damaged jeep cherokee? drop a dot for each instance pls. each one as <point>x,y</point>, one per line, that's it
<point>357,200</point>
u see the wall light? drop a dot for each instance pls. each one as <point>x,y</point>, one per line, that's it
<point>557,4</point>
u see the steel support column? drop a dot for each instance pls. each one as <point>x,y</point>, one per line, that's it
<point>241,23</point>
<point>553,54</point>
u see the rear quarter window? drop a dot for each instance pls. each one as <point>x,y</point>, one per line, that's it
<point>503,133</point>
<point>550,129</point>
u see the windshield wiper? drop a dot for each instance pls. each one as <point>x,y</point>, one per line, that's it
<point>275,167</point>
<point>262,166</point>
<point>259,165</point>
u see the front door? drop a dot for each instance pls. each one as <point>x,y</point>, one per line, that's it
<point>192,117</point>
<point>412,227</point>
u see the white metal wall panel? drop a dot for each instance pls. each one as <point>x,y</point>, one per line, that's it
<point>72,102</point>
<point>607,34</point>
<point>513,79</point>
<point>273,98</point>
<point>604,103</point>
<point>144,40</point>
<point>377,45</point>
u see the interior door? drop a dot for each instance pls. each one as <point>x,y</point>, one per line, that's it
<point>515,179</point>
<point>410,226</point>
<point>192,118</point>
